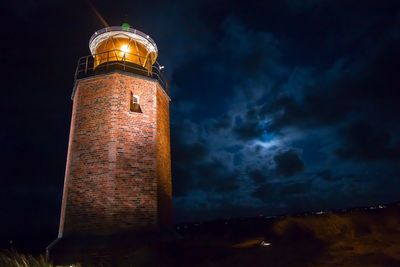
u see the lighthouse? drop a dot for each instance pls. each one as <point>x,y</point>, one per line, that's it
<point>118,170</point>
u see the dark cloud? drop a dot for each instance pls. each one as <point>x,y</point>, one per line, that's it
<point>182,181</point>
<point>190,152</point>
<point>364,142</point>
<point>223,123</point>
<point>288,163</point>
<point>238,159</point>
<point>248,53</point>
<point>194,170</point>
<point>234,148</point>
<point>213,176</point>
<point>250,127</point>
<point>359,81</point>
<point>288,83</point>
<point>263,193</point>
<point>327,175</point>
<point>258,176</point>
<point>184,160</point>
<point>313,111</point>
<point>248,130</point>
<point>296,188</point>
<point>302,5</point>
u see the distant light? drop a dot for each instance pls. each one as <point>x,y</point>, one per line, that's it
<point>161,67</point>
<point>265,244</point>
<point>147,36</point>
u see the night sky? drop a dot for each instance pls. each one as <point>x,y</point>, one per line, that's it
<point>277,106</point>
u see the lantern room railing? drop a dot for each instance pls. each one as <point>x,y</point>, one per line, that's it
<point>126,29</point>
<point>118,60</point>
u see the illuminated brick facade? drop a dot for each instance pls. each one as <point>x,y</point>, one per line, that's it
<point>118,173</point>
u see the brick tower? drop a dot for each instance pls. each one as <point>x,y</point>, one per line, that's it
<point>118,170</point>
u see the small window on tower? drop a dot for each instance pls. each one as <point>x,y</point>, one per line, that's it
<point>134,104</point>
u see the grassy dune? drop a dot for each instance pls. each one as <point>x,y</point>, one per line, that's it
<point>355,239</point>
<point>358,238</point>
<point>14,259</point>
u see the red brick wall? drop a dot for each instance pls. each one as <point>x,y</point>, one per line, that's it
<point>118,175</point>
<point>163,161</point>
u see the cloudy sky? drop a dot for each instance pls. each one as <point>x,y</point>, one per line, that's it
<point>277,106</point>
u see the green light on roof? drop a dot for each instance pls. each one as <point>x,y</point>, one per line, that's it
<point>125,26</point>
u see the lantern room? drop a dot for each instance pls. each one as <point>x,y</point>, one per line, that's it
<point>123,44</point>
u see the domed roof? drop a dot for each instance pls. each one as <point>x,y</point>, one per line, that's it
<point>123,31</point>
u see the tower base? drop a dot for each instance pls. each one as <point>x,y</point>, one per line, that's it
<point>137,249</point>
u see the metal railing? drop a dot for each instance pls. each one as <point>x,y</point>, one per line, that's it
<point>120,28</point>
<point>118,60</point>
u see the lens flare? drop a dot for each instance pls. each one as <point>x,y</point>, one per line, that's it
<point>125,48</point>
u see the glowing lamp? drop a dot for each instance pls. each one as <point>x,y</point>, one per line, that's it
<point>125,48</point>
<point>123,44</point>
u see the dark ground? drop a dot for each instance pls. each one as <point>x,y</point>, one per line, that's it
<point>358,237</point>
